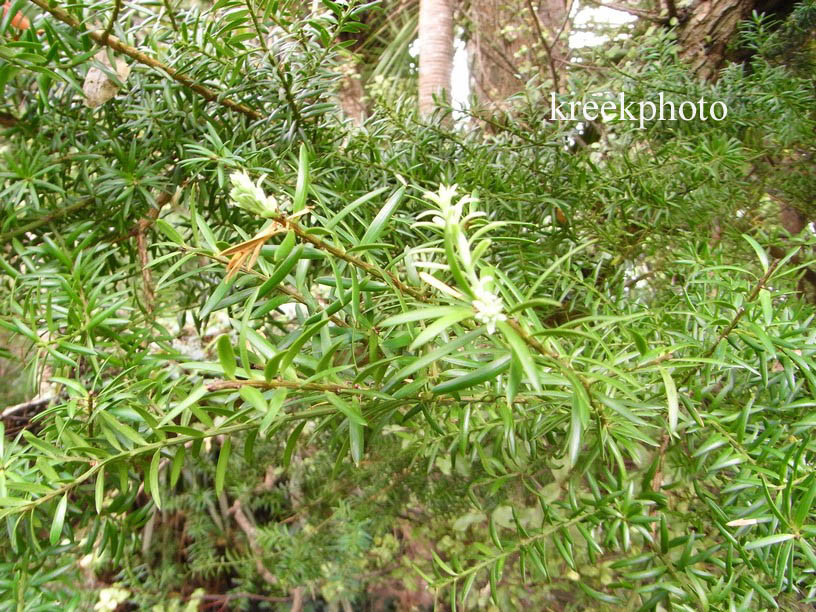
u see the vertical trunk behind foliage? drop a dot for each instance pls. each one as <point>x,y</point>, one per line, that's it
<point>510,41</point>
<point>435,51</point>
<point>494,42</point>
<point>708,28</point>
<point>553,26</point>
<point>705,34</point>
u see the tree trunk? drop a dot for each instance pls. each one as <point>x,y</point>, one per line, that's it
<point>495,70</point>
<point>435,51</point>
<point>704,36</point>
<point>510,41</point>
<point>709,26</point>
<point>552,25</point>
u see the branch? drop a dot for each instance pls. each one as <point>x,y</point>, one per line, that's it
<point>388,277</point>
<point>96,465</point>
<point>60,212</point>
<point>252,537</point>
<point>285,82</point>
<point>548,48</point>
<point>37,402</point>
<point>280,288</point>
<point>625,8</point>
<point>144,259</point>
<point>171,15</point>
<point>117,45</point>
<point>517,547</point>
<point>221,385</point>
<point>114,16</point>
<point>565,22</point>
<point>672,8</point>
<point>740,313</point>
<point>226,597</point>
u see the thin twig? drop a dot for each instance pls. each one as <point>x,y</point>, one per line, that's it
<point>547,47</point>
<point>152,214</point>
<point>37,402</point>
<point>657,479</point>
<point>634,281</point>
<point>221,385</point>
<point>672,8</point>
<point>285,82</point>
<point>144,259</point>
<point>625,8</point>
<point>171,14</point>
<point>565,22</point>
<point>114,16</point>
<point>229,596</point>
<point>740,313</point>
<point>388,277</point>
<point>61,212</point>
<point>280,288</point>
<point>520,545</point>
<point>251,533</point>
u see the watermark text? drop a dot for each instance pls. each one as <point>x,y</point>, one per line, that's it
<point>643,111</point>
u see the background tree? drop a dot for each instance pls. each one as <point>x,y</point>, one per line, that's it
<point>435,52</point>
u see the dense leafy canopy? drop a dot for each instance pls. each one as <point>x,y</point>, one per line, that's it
<point>286,353</point>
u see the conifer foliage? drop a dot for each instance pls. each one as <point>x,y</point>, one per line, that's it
<point>279,360</point>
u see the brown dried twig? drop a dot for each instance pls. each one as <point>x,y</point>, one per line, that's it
<point>144,259</point>
<point>251,533</point>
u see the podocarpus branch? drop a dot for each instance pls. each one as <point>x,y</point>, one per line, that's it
<point>280,288</point>
<point>103,38</point>
<point>737,317</point>
<point>221,385</point>
<point>60,212</point>
<point>181,439</point>
<point>391,278</point>
<point>359,263</point>
<point>759,287</point>
<point>547,47</point>
<point>216,386</point>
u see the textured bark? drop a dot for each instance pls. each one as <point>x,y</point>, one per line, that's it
<point>435,51</point>
<point>554,27</point>
<point>496,70</point>
<point>509,41</point>
<point>706,33</point>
